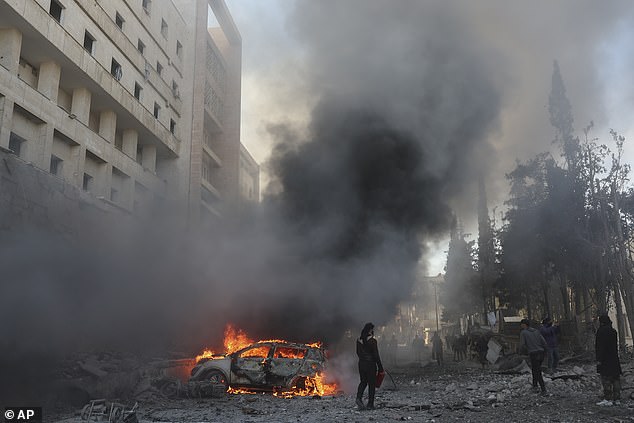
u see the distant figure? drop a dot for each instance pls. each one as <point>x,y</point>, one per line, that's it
<point>418,346</point>
<point>460,348</point>
<point>437,348</point>
<point>369,363</point>
<point>482,346</point>
<point>533,343</point>
<point>608,365</point>
<point>550,333</point>
<point>392,348</point>
<point>451,341</point>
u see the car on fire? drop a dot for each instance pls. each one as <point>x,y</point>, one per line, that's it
<point>265,365</point>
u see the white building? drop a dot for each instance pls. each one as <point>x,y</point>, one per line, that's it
<point>128,100</point>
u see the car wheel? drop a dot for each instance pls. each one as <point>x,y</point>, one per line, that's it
<point>299,383</point>
<point>216,376</point>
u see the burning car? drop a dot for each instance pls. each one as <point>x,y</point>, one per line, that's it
<point>278,366</point>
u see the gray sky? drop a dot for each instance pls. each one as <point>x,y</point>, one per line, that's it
<point>296,51</point>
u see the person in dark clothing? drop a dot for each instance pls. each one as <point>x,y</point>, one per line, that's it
<point>418,345</point>
<point>550,333</point>
<point>437,348</point>
<point>533,343</point>
<point>369,363</point>
<point>608,365</point>
<point>392,349</point>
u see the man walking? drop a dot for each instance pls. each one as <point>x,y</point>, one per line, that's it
<point>533,343</point>
<point>608,365</point>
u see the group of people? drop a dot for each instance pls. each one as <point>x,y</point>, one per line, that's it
<point>543,342</point>
<point>538,344</point>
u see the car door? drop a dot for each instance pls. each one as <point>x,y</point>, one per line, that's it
<point>248,367</point>
<point>285,363</point>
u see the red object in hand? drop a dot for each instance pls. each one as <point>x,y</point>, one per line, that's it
<point>379,379</point>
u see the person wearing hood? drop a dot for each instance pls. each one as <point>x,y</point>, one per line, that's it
<point>533,343</point>
<point>369,363</point>
<point>608,365</point>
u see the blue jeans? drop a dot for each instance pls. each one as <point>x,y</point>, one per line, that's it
<point>553,358</point>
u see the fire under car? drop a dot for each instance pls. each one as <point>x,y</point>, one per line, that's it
<point>266,365</point>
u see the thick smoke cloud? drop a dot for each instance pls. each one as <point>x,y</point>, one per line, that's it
<point>373,45</point>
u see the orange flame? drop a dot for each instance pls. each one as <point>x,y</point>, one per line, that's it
<point>207,353</point>
<point>312,386</point>
<point>236,339</point>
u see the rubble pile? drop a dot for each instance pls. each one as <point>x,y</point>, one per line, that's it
<point>115,375</point>
<point>460,391</point>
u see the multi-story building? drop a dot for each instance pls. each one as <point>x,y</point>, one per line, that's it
<point>127,100</point>
<point>249,176</point>
<point>215,106</point>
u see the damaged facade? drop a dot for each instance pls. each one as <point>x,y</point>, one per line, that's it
<point>117,101</point>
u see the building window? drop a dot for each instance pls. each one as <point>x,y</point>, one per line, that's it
<point>15,143</point>
<point>115,70</point>
<point>157,110</point>
<point>56,166</point>
<point>89,42</point>
<point>164,28</point>
<point>119,20</point>
<point>175,91</point>
<point>56,10</point>
<point>139,153</point>
<point>159,68</point>
<point>172,126</point>
<point>114,195</point>
<point>147,6</point>
<point>87,183</point>
<point>137,91</point>
<point>179,49</point>
<point>140,46</point>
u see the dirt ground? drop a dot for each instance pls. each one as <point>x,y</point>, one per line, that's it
<point>455,392</point>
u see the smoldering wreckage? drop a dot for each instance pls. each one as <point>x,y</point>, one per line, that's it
<point>279,381</point>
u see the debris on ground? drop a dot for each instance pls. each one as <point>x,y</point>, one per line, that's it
<point>456,391</point>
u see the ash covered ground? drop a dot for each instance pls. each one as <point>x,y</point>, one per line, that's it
<point>425,392</point>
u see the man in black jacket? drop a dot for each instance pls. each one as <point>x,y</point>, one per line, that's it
<point>533,343</point>
<point>369,363</point>
<point>608,365</point>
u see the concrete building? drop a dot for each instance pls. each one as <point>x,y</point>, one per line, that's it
<point>129,101</point>
<point>249,176</point>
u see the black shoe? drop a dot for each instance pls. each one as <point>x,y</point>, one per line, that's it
<point>360,404</point>
<point>370,407</point>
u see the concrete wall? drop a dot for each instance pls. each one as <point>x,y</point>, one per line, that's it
<point>32,199</point>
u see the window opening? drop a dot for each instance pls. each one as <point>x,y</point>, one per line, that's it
<point>89,42</point>
<point>137,91</point>
<point>56,165</point>
<point>15,143</point>
<point>56,10</point>
<point>115,70</point>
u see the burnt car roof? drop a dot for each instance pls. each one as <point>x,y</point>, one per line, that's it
<point>278,343</point>
<point>285,343</point>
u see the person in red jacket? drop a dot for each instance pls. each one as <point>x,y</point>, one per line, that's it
<point>369,363</point>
